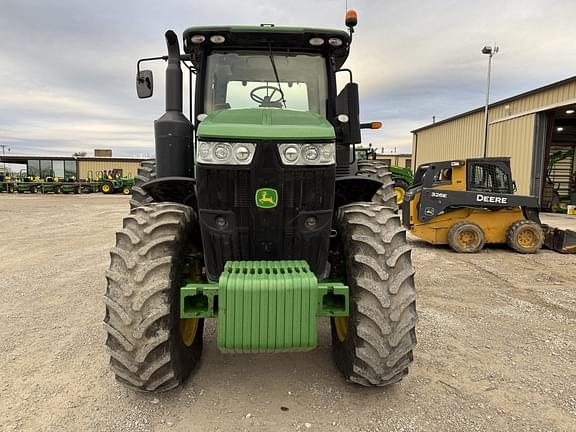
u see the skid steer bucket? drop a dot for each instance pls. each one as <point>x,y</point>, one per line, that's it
<point>560,240</point>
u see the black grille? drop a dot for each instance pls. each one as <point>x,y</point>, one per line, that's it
<point>343,171</point>
<point>234,228</point>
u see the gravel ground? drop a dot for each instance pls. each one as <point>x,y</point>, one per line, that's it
<point>497,344</point>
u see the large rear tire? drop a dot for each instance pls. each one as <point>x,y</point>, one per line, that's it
<point>146,172</point>
<point>150,347</point>
<point>385,196</point>
<point>373,346</point>
<point>107,188</point>
<point>400,188</point>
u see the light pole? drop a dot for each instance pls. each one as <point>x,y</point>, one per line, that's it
<point>490,51</point>
<point>3,154</point>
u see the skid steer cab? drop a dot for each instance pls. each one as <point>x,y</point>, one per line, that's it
<point>254,214</point>
<point>469,203</point>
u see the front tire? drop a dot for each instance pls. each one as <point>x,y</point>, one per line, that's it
<point>466,237</point>
<point>150,347</point>
<point>373,346</point>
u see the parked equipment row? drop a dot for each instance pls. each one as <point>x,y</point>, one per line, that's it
<point>56,185</point>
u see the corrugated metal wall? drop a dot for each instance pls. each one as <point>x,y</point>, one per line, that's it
<point>515,138</point>
<point>128,168</point>
<point>510,133</point>
<point>458,139</point>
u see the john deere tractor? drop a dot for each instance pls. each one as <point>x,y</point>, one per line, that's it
<point>252,215</point>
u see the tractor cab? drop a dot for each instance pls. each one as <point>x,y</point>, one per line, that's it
<point>263,67</point>
<point>261,82</point>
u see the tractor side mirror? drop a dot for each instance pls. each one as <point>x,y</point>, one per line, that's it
<point>348,104</point>
<point>144,84</point>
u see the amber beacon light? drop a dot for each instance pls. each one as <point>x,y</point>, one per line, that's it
<point>351,18</point>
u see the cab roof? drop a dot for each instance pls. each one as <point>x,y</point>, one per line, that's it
<point>266,35</point>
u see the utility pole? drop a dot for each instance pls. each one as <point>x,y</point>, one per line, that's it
<point>490,51</point>
<point>4,154</point>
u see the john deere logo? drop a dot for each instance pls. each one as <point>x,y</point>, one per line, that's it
<point>266,198</point>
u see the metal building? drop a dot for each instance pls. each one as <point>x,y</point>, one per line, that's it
<point>81,168</point>
<point>536,129</point>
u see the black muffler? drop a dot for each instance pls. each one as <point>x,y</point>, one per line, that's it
<point>173,132</point>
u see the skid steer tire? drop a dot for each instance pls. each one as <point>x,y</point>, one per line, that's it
<point>385,196</point>
<point>149,350</point>
<point>146,172</point>
<point>373,346</point>
<point>466,237</point>
<point>525,237</point>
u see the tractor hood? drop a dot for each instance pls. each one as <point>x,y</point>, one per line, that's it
<point>265,124</point>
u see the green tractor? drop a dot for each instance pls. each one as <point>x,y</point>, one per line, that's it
<point>26,183</point>
<point>403,179</point>
<point>252,215</point>
<point>113,182</point>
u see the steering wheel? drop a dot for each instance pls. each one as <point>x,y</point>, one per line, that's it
<point>267,100</point>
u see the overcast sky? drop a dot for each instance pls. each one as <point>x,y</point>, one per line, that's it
<point>67,68</point>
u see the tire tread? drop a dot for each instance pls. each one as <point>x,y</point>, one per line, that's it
<point>381,335</point>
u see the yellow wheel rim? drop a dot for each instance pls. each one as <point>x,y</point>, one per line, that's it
<point>189,326</point>
<point>399,194</point>
<point>341,324</point>
<point>188,330</point>
<point>467,238</point>
<point>126,191</point>
<point>527,238</point>
<point>106,188</point>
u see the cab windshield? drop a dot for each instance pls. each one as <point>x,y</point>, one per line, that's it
<point>244,79</point>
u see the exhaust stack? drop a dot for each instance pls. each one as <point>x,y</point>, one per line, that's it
<point>173,74</point>
<point>173,132</point>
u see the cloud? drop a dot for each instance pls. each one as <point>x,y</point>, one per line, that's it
<point>68,67</point>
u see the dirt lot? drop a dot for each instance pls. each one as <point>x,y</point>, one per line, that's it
<point>497,344</point>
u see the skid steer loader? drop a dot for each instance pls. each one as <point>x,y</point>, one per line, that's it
<point>252,214</point>
<point>468,203</point>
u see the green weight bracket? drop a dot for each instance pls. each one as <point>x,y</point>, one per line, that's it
<point>265,306</point>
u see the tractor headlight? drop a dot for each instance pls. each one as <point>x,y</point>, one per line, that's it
<point>290,154</point>
<point>242,153</point>
<point>308,154</point>
<point>224,153</point>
